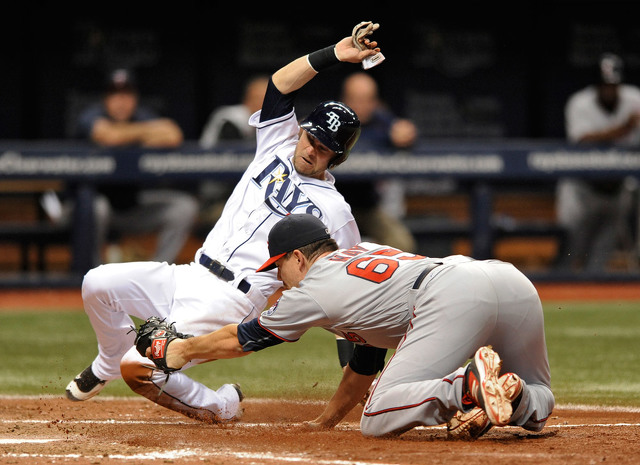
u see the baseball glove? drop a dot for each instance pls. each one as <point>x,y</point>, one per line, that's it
<point>157,334</point>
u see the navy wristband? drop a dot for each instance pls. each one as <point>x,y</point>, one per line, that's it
<point>323,58</point>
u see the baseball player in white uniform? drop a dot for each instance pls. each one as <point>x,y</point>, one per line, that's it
<point>435,313</point>
<point>288,175</point>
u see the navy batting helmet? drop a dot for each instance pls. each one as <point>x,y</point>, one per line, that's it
<point>335,125</point>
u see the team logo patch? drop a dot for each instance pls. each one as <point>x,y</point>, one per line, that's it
<point>271,310</point>
<point>157,348</point>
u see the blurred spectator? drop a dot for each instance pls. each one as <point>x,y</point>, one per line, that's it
<point>596,213</point>
<point>120,121</point>
<point>378,206</point>
<point>229,123</point>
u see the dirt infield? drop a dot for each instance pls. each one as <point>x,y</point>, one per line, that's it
<point>39,430</point>
<point>106,431</point>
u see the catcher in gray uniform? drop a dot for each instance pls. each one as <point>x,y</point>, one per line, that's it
<point>436,313</point>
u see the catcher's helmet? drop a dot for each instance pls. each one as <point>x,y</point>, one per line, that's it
<point>335,125</point>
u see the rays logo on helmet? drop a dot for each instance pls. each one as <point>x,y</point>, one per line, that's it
<point>333,121</point>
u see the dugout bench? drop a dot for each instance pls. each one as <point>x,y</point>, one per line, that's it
<point>485,169</point>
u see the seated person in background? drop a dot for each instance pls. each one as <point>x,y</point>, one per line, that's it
<point>120,121</point>
<point>378,206</point>
<point>229,123</point>
<point>595,212</point>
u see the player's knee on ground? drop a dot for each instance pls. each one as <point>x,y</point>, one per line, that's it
<point>369,427</point>
<point>384,424</point>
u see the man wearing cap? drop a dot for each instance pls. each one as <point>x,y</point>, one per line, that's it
<point>595,212</point>
<point>120,121</point>
<point>436,312</point>
<point>288,176</point>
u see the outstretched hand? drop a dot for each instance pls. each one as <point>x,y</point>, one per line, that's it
<point>153,339</point>
<point>315,425</point>
<point>358,46</point>
<point>346,51</point>
<point>172,359</point>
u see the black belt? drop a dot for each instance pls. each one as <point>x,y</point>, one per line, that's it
<point>430,267</point>
<point>223,272</point>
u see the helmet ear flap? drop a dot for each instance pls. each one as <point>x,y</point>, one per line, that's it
<point>341,158</point>
<point>337,160</point>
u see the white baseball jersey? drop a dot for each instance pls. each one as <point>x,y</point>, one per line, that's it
<point>191,296</point>
<point>371,295</point>
<point>269,190</point>
<point>584,115</point>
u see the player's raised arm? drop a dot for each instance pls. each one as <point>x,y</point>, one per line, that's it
<point>353,49</point>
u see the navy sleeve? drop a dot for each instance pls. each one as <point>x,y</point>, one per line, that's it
<point>145,114</point>
<point>367,360</point>
<point>275,103</point>
<point>84,124</point>
<point>253,337</point>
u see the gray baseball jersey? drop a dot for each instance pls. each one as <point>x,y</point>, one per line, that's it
<point>371,295</point>
<point>374,311</point>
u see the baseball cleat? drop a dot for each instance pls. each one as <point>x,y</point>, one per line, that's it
<point>240,412</point>
<point>475,423</point>
<point>85,386</point>
<point>484,389</point>
<point>239,391</point>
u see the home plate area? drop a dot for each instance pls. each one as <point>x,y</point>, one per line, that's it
<point>48,429</point>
